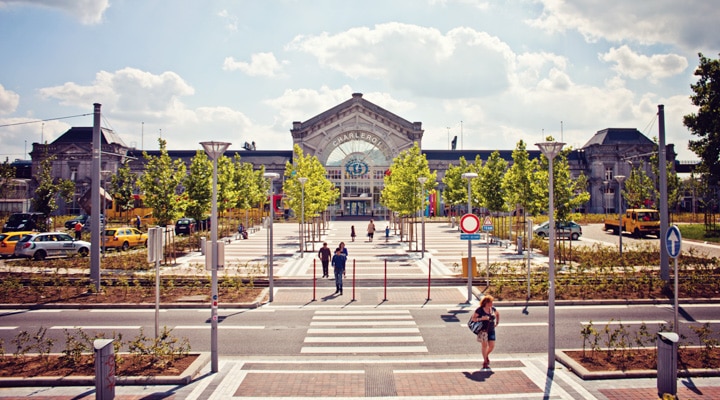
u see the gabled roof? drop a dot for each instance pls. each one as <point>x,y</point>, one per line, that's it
<point>357,99</point>
<point>614,136</point>
<point>83,134</point>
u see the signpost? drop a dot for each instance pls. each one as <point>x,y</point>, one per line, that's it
<point>673,245</point>
<point>470,224</point>
<point>487,227</point>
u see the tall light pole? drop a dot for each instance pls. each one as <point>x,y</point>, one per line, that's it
<point>422,180</point>
<point>214,150</point>
<point>550,150</point>
<point>620,179</point>
<point>469,176</point>
<point>271,176</point>
<point>302,180</point>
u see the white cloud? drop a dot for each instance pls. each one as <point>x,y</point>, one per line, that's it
<point>8,100</point>
<point>637,66</point>
<point>89,12</point>
<point>231,20</point>
<point>261,64</point>
<point>127,90</point>
<point>691,24</point>
<point>415,58</point>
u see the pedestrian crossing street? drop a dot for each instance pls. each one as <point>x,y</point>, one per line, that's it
<point>363,332</point>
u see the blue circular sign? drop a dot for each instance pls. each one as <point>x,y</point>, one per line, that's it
<point>356,167</point>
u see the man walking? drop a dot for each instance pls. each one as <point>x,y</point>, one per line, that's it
<point>78,230</point>
<point>324,256</point>
<point>338,262</point>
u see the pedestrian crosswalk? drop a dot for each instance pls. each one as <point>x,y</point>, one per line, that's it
<point>363,332</point>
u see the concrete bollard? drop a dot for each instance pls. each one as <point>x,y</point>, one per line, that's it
<point>203,240</point>
<point>104,369</point>
<point>667,363</point>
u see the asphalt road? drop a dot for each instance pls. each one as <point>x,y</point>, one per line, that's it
<point>593,233</point>
<point>290,331</point>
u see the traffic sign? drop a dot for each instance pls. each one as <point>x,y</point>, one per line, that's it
<point>469,223</point>
<point>469,236</point>
<point>487,224</point>
<point>673,241</point>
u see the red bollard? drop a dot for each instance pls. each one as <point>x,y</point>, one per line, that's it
<point>353,286</point>
<point>385,282</point>
<point>314,278</point>
<point>429,271</point>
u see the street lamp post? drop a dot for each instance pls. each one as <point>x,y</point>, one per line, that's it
<point>302,180</point>
<point>422,180</point>
<point>271,176</point>
<point>469,176</point>
<point>550,150</point>
<point>620,179</point>
<point>214,150</point>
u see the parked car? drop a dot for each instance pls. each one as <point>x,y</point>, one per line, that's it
<point>28,221</point>
<point>70,224</point>
<point>185,226</point>
<point>38,246</point>
<point>8,241</point>
<point>87,226</point>
<point>563,230</point>
<point>124,238</point>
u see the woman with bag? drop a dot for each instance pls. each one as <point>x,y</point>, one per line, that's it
<point>490,317</point>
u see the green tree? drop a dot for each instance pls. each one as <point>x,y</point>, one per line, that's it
<point>122,186</point>
<point>402,189</point>
<point>455,192</point>
<point>320,192</point>
<point>706,122</point>
<point>228,191</point>
<point>48,190</point>
<point>7,175</point>
<point>490,183</point>
<point>568,193</point>
<point>517,181</point>
<point>198,186</point>
<point>160,184</point>
<point>639,187</point>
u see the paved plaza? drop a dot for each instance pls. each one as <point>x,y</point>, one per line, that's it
<point>389,357</point>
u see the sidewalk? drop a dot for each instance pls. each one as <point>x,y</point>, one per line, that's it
<point>387,376</point>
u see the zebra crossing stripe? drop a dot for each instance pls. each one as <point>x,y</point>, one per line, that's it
<point>364,349</point>
<point>350,331</point>
<point>364,339</point>
<point>362,323</point>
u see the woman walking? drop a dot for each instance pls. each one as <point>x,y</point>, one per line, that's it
<point>491,318</point>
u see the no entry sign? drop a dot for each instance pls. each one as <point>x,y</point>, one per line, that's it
<point>469,223</point>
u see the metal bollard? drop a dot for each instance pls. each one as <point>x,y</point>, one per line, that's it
<point>104,369</point>
<point>203,241</point>
<point>520,249</point>
<point>667,363</point>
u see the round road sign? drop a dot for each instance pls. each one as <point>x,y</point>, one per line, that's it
<point>469,223</point>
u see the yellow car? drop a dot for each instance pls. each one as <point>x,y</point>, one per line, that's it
<point>124,238</point>
<point>8,241</point>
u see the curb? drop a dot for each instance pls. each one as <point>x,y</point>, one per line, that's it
<point>183,378</point>
<point>584,374</point>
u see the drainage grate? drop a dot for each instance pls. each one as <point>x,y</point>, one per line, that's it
<point>379,381</point>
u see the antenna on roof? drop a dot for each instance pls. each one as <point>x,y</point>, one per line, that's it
<point>561,131</point>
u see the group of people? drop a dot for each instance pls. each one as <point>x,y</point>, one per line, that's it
<point>337,261</point>
<point>370,231</point>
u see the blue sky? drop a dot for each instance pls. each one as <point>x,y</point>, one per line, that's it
<point>490,72</point>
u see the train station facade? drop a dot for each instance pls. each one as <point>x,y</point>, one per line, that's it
<point>356,141</point>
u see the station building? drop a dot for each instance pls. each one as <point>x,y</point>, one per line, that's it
<point>356,141</point>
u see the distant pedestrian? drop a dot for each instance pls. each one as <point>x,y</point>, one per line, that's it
<point>78,230</point>
<point>338,263</point>
<point>324,256</point>
<point>491,318</point>
<point>371,230</point>
<point>138,222</point>
<point>49,224</point>
<point>352,232</point>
